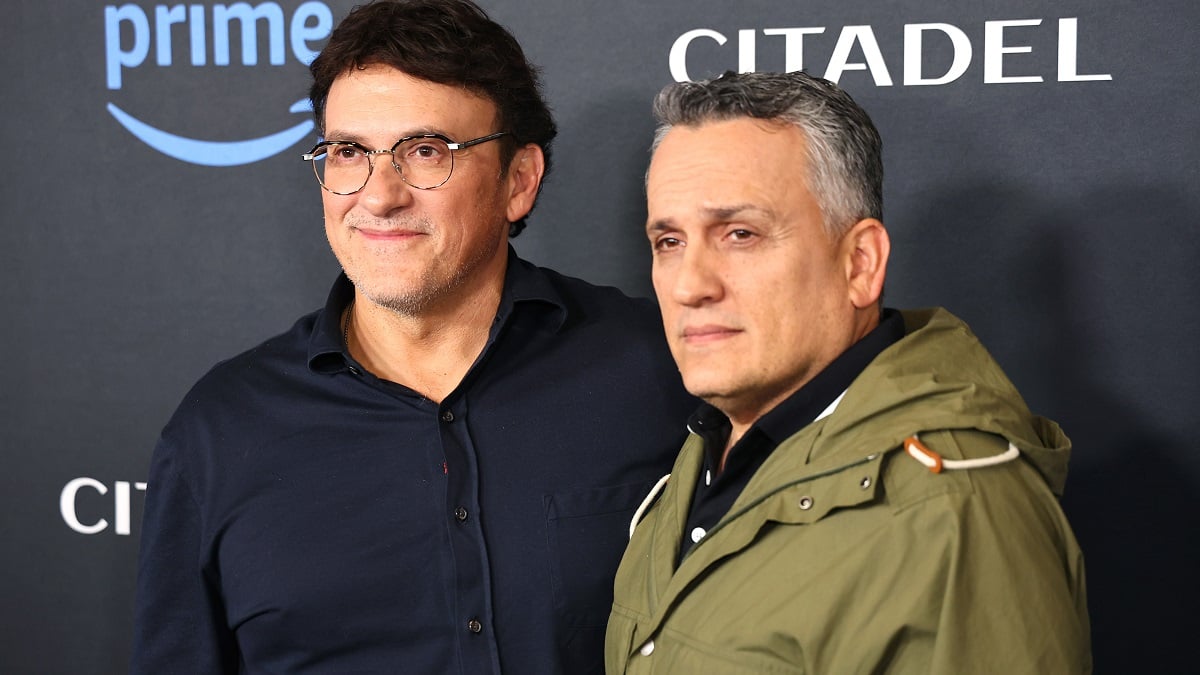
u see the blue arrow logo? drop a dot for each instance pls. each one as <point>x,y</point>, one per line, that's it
<point>216,153</point>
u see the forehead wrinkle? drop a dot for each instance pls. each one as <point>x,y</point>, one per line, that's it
<point>734,211</point>
<point>713,214</point>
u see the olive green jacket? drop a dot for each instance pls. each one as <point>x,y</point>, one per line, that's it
<point>844,554</point>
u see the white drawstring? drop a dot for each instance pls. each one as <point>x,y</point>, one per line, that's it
<point>920,452</point>
<point>641,509</point>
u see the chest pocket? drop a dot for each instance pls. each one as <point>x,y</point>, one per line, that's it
<point>587,530</point>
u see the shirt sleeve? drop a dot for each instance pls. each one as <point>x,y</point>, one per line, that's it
<point>179,620</point>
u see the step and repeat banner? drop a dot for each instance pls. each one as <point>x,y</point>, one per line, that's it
<point>1041,163</point>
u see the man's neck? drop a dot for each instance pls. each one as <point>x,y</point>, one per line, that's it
<point>744,416</point>
<point>430,351</point>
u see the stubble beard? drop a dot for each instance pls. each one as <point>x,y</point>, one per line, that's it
<point>430,287</point>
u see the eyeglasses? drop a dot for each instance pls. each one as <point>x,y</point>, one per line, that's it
<point>424,161</point>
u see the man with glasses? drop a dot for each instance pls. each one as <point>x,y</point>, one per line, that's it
<point>434,473</point>
<point>863,491</point>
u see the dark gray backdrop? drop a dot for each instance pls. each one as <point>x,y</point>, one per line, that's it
<point>1055,216</point>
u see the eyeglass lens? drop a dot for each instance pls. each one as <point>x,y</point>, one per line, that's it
<point>423,163</point>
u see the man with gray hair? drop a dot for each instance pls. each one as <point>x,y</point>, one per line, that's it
<point>864,491</point>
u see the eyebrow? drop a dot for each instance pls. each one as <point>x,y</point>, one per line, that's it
<point>715,214</point>
<point>336,135</point>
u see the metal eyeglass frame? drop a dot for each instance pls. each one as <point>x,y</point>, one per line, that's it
<point>311,156</point>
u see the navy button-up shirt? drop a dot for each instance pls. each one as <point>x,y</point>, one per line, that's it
<point>304,516</point>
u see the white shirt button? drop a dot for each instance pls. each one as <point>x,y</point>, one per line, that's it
<point>698,534</point>
<point>647,649</point>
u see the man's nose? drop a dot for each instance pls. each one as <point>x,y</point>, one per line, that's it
<point>698,277</point>
<point>385,189</point>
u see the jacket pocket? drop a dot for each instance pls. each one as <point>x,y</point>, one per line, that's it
<point>618,640</point>
<point>676,653</point>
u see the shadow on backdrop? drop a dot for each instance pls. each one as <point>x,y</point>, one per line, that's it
<point>1092,308</point>
<point>597,232</point>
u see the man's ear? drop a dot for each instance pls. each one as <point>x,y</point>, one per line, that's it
<point>866,247</point>
<point>524,177</point>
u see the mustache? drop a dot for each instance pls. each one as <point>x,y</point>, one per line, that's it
<point>420,224</point>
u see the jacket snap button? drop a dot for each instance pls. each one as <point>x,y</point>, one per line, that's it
<point>647,649</point>
<point>865,482</point>
<point>447,416</point>
<point>474,626</point>
<point>806,503</point>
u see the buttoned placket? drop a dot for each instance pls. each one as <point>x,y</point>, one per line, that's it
<point>472,572</point>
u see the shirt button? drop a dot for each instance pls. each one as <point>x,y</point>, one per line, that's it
<point>460,513</point>
<point>647,649</point>
<point>698,534</point>
<point>447,416</point>
<point>474,626</point>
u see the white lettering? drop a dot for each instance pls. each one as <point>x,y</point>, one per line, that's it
<point>1068,54</point>
<point>840,61</point>
<point>793,45</point>
<point>916,37</point>
<point>121,507</point>
<point>914,49</point>
<point>66,505</point>
<point>994,50</point>
<point>677,59</point>
<point>67,501</point>
<point>746,51</point>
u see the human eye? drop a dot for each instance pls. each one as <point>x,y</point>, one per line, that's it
<point>740,235</point>
<point>424,150</point>
<point>343,154</point>
<point>665,244</point>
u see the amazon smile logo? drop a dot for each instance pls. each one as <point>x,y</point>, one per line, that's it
<point>130,31</point>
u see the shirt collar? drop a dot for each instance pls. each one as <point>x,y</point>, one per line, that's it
<point>526,288</point>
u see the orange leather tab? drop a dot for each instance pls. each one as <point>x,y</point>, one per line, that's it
<point>922,454</point>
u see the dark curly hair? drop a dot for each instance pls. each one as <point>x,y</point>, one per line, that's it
<point>450,42</point>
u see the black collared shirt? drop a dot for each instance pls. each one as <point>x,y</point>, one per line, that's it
<point>716,492</point>
<point>304,516</point>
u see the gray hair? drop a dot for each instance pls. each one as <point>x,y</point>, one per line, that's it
<point>845,155</point>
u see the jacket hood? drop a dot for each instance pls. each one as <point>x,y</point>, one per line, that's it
<point>938,377</point>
